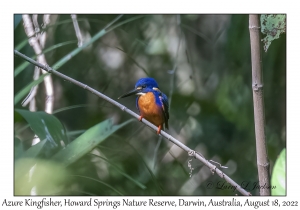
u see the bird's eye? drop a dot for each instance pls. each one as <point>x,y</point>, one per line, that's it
<point>143,86</point>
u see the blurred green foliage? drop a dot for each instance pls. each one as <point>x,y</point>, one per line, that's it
<point>87,141</point>
<point>201,62</point>
<point>39,177</point>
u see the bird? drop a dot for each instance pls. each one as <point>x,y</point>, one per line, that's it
<point>152,104</point>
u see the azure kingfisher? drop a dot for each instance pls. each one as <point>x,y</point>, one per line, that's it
<point>152,104</point>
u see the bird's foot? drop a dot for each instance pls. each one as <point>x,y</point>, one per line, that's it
<point>159,129</point>
<point>141,117</point>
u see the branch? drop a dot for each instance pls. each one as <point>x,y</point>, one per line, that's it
<point>33,39</point>
<point>77,30</point>
<point>28,27</point>
<point>258,102</point>
<point>167,136</point>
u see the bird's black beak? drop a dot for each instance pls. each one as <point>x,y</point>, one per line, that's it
<point>133,92</point>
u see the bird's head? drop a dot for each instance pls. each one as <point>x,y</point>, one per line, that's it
<point>142,86</point>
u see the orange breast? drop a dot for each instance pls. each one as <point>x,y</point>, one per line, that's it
<point>149,110</point>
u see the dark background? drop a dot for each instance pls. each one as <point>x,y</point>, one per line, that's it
<point>208,82</point>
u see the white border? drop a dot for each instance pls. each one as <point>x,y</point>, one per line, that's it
<point>154,6</point>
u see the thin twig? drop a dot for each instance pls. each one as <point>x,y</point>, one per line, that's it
<point>218,164</point>
<point>167,136</point>
<point>77,30</point>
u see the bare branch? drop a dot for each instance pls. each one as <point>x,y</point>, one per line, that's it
<point>28,27</point>
<point>37,46</point>
<point>49,101</point>
<point>167,136</point>
<point>77,30</point>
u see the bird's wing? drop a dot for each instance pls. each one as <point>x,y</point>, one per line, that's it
<point>136,103</point>
<point>164,99</point>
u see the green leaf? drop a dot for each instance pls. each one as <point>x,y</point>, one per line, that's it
<point>87,141</point>
<point>70,107</point>
<point>26,90</point>
<point>46,127</point>
<point>35,150</point>
<point>55,112</point>
<point>272,26</point>
<point>18,148</point>
<point>278,179</point>
<point>21,45</point>
<point>20,68</point>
